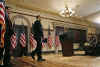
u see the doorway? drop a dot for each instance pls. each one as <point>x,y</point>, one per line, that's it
<point>19,50</point>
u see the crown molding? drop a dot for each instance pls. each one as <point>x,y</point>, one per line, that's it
<point>22,5</point>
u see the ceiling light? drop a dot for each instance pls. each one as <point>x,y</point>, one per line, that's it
<point>67,12</point>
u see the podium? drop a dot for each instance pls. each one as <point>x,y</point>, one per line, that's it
<point>67,45</point>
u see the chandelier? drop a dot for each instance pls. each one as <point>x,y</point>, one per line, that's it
<point>67,12</point>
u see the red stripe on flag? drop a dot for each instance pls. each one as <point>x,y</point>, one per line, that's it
<point>33,42</point>
<point>13,40</point>
<point>2,13</point>
<point>49,41</point>
<point>2,22</point>
<point>2,6</point>
<point>57,41</point>
<point>23,40</point>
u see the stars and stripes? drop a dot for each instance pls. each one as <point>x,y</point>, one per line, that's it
<point>33,42</point>
<point>57,41</point>
<point>13,40</point>
<point>2,22</point>
<point>49,41</point>
<point>23,40</point>
<point>2,12</point>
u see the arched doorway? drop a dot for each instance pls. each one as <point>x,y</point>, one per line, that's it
<point>21,24</point>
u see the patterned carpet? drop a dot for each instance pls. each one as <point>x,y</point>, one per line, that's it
<point>28,62</point>
<point>57,60</point>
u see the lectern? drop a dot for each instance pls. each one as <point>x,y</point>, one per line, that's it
<point>67,45</point>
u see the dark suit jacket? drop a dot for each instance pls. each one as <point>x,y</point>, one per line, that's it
<point>37,29</point>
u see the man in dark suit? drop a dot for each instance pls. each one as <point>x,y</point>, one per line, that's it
<point>38,35</point>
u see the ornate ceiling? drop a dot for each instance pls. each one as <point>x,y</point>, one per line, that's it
<point>90,9</point>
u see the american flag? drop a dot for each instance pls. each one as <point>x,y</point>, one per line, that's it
<point>57,41</point>
<point>49,41</point>
<point>33,42</point>
<point>13,40</point>
<point>23,40</point>
<point>2,22</point>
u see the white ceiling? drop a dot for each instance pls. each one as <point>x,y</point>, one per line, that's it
<point>86,8</point>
